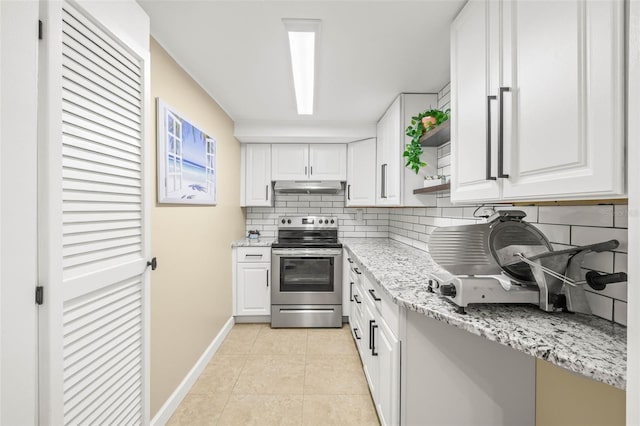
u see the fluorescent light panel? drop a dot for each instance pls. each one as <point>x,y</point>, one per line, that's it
<point>302,42</point>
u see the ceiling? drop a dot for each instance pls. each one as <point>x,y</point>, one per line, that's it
<point>369,52</point>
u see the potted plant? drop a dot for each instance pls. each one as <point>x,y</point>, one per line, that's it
<point>420,124</point>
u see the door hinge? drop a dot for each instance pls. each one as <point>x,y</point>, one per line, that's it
<point>39,295</point>
<point>40,30</point>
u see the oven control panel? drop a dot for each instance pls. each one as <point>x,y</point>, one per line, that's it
<point>308,222</point>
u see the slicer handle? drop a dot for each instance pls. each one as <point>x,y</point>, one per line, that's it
<point>599,282</point>
<point>604,246</point>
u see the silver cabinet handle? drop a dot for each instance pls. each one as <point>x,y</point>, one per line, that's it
<point>488,161</point>
<point>501,173</point>
<point>267,278</point>
<point>383,191</point>
<point>266,192</point>
<point>305,170</point>
<point>310,170</point>
<point>348,192</point>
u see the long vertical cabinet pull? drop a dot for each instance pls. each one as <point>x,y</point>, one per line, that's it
<point>374,326</point>
<point>371,322</point>
<point>348,192</point>
<point>267,278</point>
<point>501,173</point>
<point>266,192</point>
<point>488,162</point>
<point>305,170</point>
<point>351,291</point>
<point>383,190</point>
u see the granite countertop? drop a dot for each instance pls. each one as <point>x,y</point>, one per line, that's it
<point>245,242</point>
<point>584,344</point>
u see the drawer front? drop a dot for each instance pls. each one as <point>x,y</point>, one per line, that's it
<point>382,303</point>
<point>254,254</point>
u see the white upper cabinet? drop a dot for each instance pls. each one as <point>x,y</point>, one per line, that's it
<point>395,182</point>
<point>309,162</point>
<point>328,162</point>
<point>256,177</point>
<point>289,162</point>
<point>361,173</point>
<point>550,110</point>
<point>389,156</point>
<point>472,105</point>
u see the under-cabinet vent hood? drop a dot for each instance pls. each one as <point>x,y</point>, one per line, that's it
<point>308,186</point>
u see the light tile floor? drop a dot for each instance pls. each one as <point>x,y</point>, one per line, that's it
<point>264,376</point>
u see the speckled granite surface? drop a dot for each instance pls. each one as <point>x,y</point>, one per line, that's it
<point>245,242</point>
<point>587,345</point>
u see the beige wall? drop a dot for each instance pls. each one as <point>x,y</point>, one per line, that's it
<point>191,289</point>
<point>567,399</point>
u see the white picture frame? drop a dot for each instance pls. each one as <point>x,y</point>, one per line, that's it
<point>187,160</point>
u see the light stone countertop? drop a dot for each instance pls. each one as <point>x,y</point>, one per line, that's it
<point>584,344</point>
<point>245,242</point>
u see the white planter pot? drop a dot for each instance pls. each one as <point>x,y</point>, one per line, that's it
<point>434,182</point>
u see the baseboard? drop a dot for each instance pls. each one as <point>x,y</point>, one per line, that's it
<point>166,411</point>
<point>242,319</point>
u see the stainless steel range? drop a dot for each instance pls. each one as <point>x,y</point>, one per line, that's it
<point>306,269</point>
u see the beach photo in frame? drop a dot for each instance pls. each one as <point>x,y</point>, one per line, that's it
<point>187,167</point>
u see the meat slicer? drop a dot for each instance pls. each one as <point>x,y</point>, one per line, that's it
<point>507,260</point>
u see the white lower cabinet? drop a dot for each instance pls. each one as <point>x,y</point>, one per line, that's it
<point>388,349</point>
<point>252,281</point>
<point>374,326</point>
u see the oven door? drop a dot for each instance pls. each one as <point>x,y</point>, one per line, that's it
<point>306,276</point>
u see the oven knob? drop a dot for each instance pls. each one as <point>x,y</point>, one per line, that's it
<point>326,221</point>
<point>283,221</point>
<point>448,290</point>
<point>332,221</point>
<point>288,220</point>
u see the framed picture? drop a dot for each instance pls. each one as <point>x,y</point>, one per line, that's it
<point>187,166</point>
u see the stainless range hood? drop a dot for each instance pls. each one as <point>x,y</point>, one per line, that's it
<point>307,186</point>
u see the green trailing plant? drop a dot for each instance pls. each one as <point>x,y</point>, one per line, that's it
<point>416,130</point>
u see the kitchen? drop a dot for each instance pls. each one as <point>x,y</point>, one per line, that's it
<point>188,311</point>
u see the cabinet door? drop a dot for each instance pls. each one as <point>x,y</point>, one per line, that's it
<point>388,350</point>
<point>257,175</point>
<point>328,162</point>
<point>369,360</point>
<point>564,113</point>
<point>473,111</point>
<point>361,173</point>
<point>253,289</point>
<point>289,162</point>
<point>388,157</point>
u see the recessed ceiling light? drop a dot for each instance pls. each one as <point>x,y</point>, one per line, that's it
<point>303,36</point>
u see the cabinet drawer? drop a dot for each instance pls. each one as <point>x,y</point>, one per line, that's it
<point>254,254</point>
<point>382,303</point>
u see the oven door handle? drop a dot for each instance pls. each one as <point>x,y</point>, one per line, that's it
<point>306,252</point>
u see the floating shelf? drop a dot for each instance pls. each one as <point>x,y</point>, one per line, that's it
<point>443,187</point>
<point>438,135</point>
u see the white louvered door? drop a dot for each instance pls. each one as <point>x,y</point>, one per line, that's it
<point>94,216</point>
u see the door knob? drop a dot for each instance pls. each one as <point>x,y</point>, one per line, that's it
<point>153,263</point>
